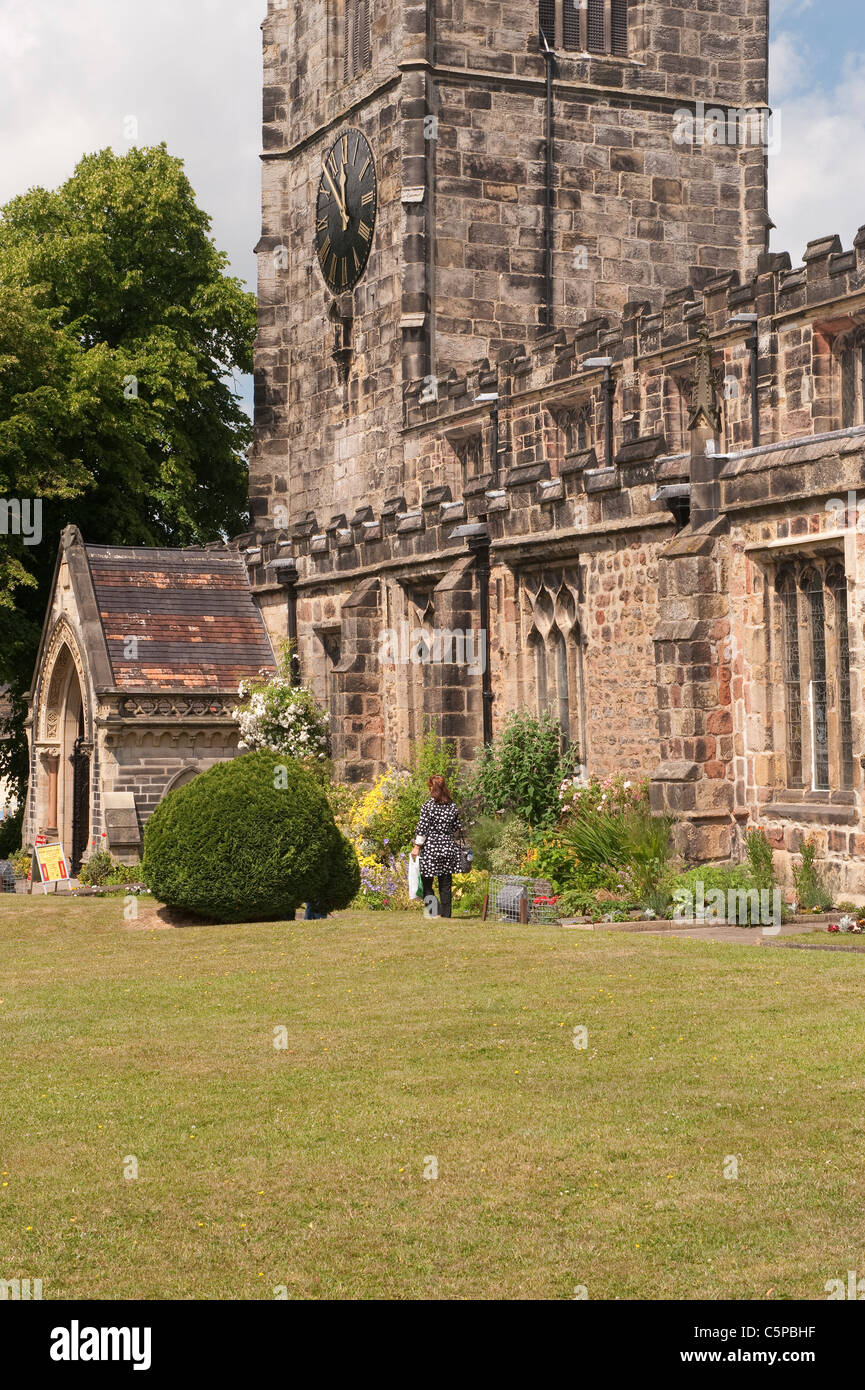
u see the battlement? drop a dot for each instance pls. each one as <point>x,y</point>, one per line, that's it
<point>828,274</point>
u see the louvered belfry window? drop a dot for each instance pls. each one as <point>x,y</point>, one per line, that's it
<point>586,26</point>
<point>357,49</point>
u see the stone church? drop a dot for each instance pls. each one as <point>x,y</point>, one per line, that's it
<point>540,423</point>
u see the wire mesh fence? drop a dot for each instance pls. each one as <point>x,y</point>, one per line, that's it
<point>514,898</point>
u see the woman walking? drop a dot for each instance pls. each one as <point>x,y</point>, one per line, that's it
<point>437,843</point>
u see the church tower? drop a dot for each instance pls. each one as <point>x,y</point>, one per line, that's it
<point>527,172</point>
<point>450,192</point>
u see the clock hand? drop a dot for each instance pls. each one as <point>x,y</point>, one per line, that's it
<point>339,201</point>
<point>342,186</point>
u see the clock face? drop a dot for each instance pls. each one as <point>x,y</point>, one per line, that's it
<point>345,211</point>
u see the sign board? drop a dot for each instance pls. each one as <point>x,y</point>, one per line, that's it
<point>34,867</point>
<point>49,864</point>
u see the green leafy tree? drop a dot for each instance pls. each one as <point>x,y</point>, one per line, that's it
<point>119,334</point>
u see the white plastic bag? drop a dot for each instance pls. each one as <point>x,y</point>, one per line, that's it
<point>413,876</point>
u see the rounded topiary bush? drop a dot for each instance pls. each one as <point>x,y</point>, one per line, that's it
<point>249,841</point>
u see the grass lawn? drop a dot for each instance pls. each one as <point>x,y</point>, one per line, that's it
<point>818,936</point>
<point>303,1168</point>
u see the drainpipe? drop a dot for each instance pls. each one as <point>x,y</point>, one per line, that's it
<point>550,65</point>
<point>285,574</point>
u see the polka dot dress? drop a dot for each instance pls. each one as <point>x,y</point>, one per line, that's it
<point>438,832</point>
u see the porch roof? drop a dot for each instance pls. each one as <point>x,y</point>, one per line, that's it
<point>178,618</point>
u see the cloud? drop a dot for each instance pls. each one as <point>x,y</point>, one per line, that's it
<point>789,9</point>
<point>817,180</point>
<point>787,66</point>
<point>73,70</point>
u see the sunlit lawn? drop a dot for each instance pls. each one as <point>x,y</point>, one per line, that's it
<point>302,1167</point>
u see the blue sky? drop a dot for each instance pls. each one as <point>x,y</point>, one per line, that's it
<point>817,84</point>
<point>821,30</point>
<point>190,72</point>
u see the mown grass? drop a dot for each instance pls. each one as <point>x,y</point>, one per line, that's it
<point>303,1168</point>
<point>818,936</point>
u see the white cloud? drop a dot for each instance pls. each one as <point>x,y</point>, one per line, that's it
<point>73,70</point>
<point>19,31</point>
<point>817,180</point>
<point>788,9</point>
<point>787,66</point>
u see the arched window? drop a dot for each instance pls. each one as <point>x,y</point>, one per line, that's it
<point>812,585</point>
<point>563,698</point>
<point>539,654</point>
<point>792,677</point>
<point>585,26</point>
<point>815,667</point>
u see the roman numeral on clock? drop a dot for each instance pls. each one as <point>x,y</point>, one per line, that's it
<point>363,230</point>
<point>368,198</point>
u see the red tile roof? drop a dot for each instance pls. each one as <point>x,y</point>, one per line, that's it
<point>191,611</point>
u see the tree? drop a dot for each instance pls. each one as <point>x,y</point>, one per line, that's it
<point>119,331</point>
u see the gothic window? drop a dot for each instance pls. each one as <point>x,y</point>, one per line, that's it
<point>813,586</point>
<point>469,449</point>
<point>577,427</point>
<point>357,45</point>
<point>586,26</point>
<point>792,678</point>
<point>815,659</point>
<point>539,660</point>
<point>554,667</point>
<point>853,384</point>
<point>559,652</point>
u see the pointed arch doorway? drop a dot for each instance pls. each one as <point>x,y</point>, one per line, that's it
<point>64,805</point>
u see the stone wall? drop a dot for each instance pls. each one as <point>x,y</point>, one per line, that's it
<point>454,107</point>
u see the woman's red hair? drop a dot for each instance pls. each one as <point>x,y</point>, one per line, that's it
<point>438,790</point>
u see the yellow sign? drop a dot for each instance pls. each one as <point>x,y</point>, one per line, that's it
<point>52,864</point>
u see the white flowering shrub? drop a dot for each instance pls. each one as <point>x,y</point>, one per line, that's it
<point>281,717</point>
